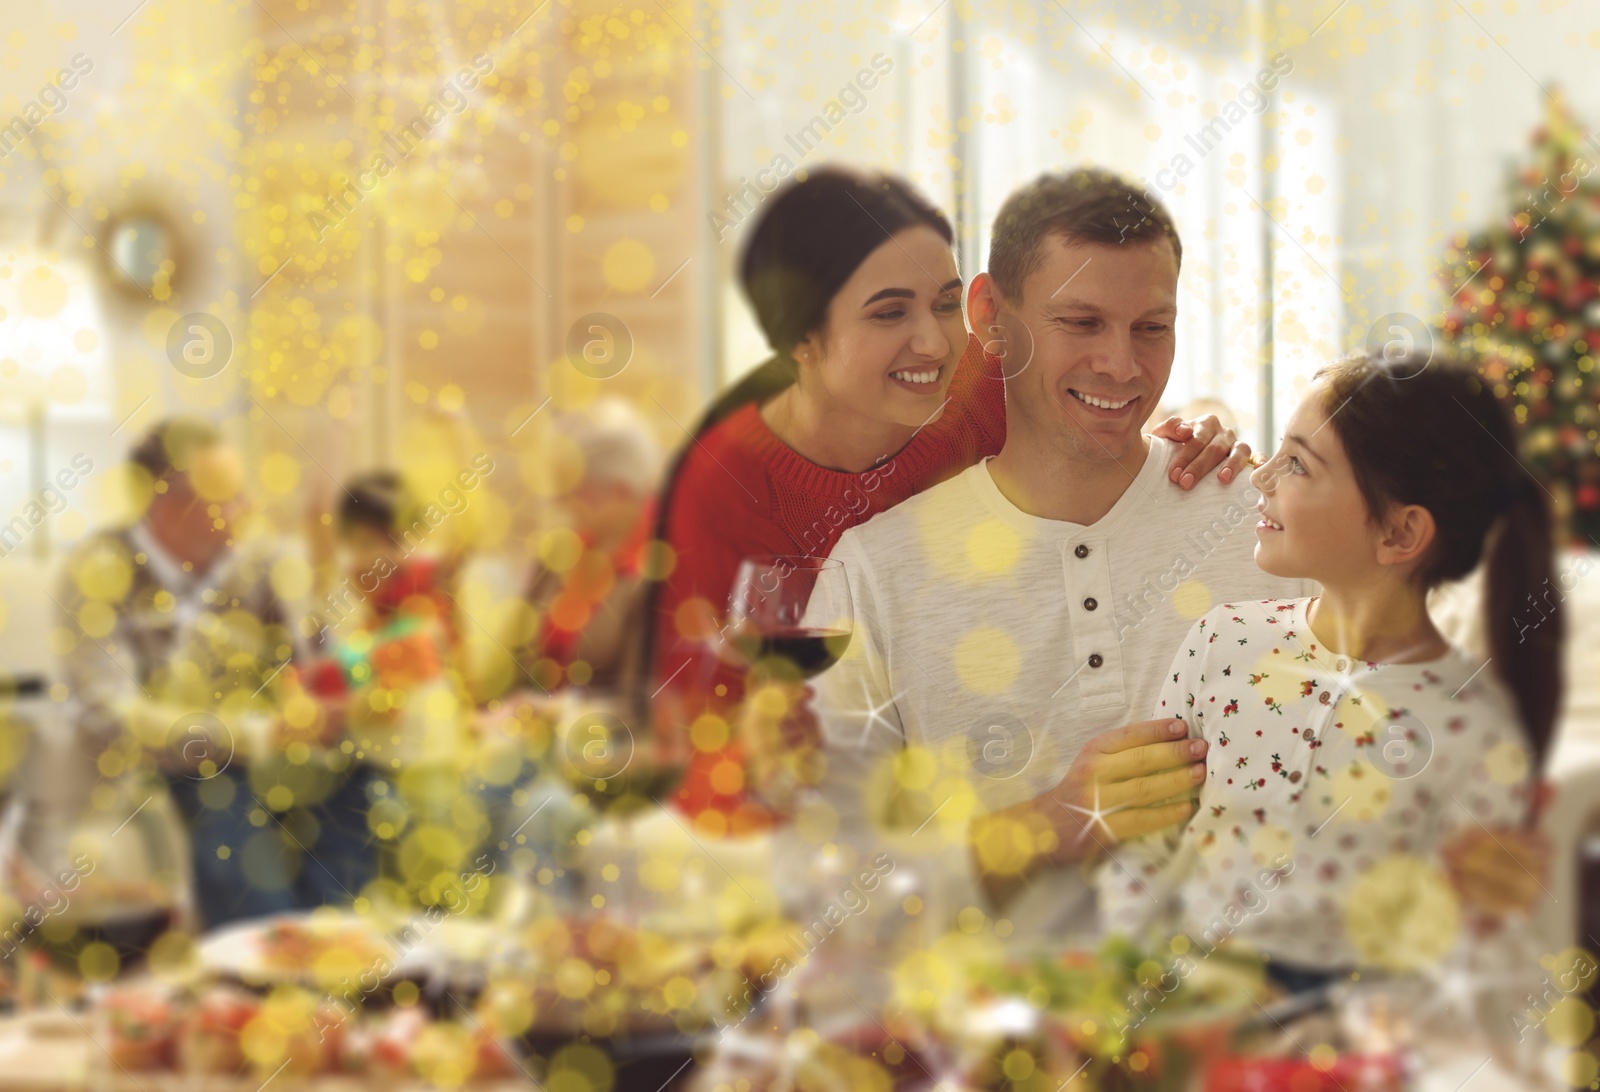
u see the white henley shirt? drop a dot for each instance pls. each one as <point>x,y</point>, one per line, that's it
<point>989,646</point>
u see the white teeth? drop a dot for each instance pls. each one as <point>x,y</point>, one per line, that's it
<point>1100,402</point>
<point>917,377</point>
<point>1274,524</point>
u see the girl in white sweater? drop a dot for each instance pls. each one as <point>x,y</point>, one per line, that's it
<point>1349,740</point>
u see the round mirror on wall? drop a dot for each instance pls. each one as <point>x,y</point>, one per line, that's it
<point>143,252</point>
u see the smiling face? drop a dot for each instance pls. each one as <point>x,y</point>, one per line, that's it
<point>893,333</point>
<point>1315,521</point>
<point>1100,323</point>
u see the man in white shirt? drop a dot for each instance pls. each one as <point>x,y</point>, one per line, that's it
<point>1013,625</point>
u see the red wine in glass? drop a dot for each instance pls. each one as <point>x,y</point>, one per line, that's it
<point>811,651</point>
<point>790,617</point>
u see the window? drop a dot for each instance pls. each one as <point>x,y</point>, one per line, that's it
<point>1191,129</point>
<point>55,398</point>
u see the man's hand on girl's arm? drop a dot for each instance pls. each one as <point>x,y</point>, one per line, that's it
<point>1121,786</point>
<point>1206,445</point>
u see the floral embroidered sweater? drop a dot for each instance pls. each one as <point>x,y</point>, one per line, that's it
<point>1331,785</point>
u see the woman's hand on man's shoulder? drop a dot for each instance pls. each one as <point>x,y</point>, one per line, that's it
<point>1206,445</point>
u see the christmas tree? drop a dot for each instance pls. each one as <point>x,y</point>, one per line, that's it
<point>1526,309</point>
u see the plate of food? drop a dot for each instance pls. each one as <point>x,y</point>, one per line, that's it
<point>1124,1013</point>
<point>324,948</point>
<point>455,953</point>
<point>609,979</point>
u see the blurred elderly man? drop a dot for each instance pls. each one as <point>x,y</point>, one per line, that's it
<point>175,640</point>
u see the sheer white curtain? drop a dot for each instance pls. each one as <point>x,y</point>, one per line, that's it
<point>55,394</point>
<point>970,109</point>
<point>1197,130</point>
<point>852,94</point>
<point>1381,137</point>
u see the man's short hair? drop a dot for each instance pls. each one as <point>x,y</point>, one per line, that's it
<point>1087,205</point>
<point>171,445</point>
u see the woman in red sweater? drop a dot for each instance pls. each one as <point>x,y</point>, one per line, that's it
<point>876,392</point>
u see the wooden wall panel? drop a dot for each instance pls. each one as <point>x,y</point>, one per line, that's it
<point>566,187</point>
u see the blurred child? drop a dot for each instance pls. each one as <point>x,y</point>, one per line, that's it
<point>395,597</point>
<point>390,651</point>
<point>1348,740</point>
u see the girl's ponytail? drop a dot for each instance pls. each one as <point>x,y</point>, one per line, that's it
<point>1523,621</point>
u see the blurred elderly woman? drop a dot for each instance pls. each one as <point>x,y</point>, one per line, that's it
<point>584,581</point>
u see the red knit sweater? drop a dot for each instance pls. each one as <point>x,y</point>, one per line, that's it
<point>741,492</point>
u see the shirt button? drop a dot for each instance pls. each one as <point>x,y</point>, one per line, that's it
<point>1096,660</point>
<point>1294,777</point>
<point>1309,736</point>
<point>1341,664</point>
<point>1090,604</point>
<point>1082,551</point>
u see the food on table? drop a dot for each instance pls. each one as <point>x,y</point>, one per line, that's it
<point>209,1041</point>
<point>505,1008</point>
<point>445,1054</point>
<point>335,952</point>
<point>1123,1013</point>
<point>1369,1073</point>
<point>1122,984</point>
<point>867,1056</point>
<point>772,948</point>
<point>604,977</point>
<point>493,1058</point>
<point>322,945</point>
<point>391,1036</point>
<point>222,1030</point>
<point>832,1066</point>
<point>405,1042</point>
<point>141,1027</point>
<point>289,1032</point>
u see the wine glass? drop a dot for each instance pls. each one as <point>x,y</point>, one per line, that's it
<point>790,617</point>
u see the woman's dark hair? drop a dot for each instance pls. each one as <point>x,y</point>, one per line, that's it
<point>1431,433</point>
<point>373,500</point>
<point>813,234</point>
